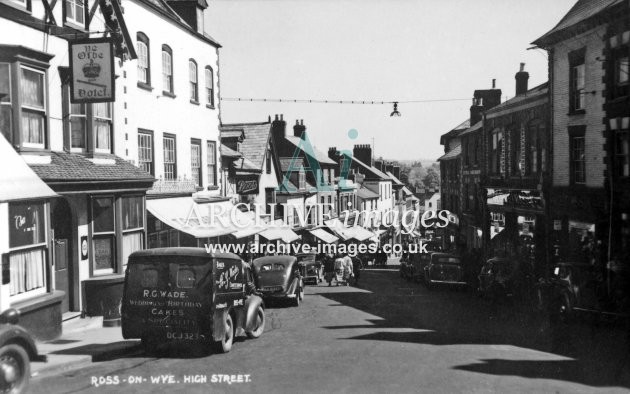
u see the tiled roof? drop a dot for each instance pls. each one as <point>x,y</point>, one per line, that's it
<point>581,11</point>
<point>458,129</point>
<point>285,162</point>
<point>71,167</point>
<point>475,127</point>
<point>246,165</point>
<point>452,154</point>
<point>366,194</point>
<point>254,145</point>
<point>319,156</point>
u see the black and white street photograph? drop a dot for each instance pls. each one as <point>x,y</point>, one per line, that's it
<point>314,196</point>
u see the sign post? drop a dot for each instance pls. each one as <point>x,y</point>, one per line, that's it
<point>92,71</point>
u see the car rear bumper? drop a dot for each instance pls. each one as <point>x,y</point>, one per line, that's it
<point>448,282</point>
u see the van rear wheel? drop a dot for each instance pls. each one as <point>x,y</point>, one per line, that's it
<point>260,324</point>
<point>225,344</point>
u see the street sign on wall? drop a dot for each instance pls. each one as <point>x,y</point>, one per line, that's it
<point>91,71</point>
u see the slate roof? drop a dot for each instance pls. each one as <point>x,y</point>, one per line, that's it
<point>396,180</point>
<point>228,152</point>
<point>366,194</point>
<point>254,145</point>
<point>532,94</point>
<point>163,8</point>
<point>375,171</point>
<point>73,167</point>
<point>232,133</point>
<point>452,154</point>
<point>319,156</point>
<point>458,129</point>
<point>580,12</point>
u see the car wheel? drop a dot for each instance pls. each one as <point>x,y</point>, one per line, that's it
<point>297,300</point>
<point>301,294</point>
<point>16,369</point>
<point>260,324</point>
<point>225,344</point>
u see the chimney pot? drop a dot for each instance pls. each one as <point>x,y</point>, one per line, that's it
<point>522,78</point>
<point>281,116</point>
<point>276,116</point>
<point>522,67</point>
<point>494,83</point>
<point>297,122</point>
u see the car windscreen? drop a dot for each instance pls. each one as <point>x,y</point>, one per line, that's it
<point>447,260</point>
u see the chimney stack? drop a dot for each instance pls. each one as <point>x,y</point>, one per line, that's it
<point>332,153</point>
<point>521,80</point>
<point>389,168</point>
<point>299,129</point>
<point>396,172</point>
<point>378,164</point>
<point>278,128</point>
<point>363,153</point>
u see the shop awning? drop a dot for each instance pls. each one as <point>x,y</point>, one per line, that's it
<point>18,181</point>
<point>250,230</point>
<point>324,235</point>
<point>346,233</point>
<point>278,231</point>
<point>201,220</point>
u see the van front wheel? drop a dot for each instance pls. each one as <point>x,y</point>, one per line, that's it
<point>260,324</point>
<point>225,344</point>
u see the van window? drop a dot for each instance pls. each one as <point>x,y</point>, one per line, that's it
<point>266,267</point>
<point>185,278</point>
<point>149,277</point>
<point>278,267</point>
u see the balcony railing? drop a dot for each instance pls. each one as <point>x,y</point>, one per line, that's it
<point>173,186</point>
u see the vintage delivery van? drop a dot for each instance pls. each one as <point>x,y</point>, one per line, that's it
<point>189,296</point>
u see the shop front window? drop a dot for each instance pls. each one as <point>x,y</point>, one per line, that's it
<point>27,256</point>
<point>132,226</point>
<point>103,235</point>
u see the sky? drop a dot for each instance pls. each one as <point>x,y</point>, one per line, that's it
<point>394,50</point>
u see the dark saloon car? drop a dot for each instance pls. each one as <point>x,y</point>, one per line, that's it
<point>17,350</point>
<point>188,296</point>
<point>505,277</point>
<point>279,277</point>
<point>586,288</point>
<point>312,269</point>
<point>444,268</point>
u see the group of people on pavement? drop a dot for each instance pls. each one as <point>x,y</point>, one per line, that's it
<point>342,269</point>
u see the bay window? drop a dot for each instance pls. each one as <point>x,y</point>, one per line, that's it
<point>6,112</point>
<point>102,127</point>
<point>78,126</point>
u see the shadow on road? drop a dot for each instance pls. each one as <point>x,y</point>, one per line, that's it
<point>595,356</point>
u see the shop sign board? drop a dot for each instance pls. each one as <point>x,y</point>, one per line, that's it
<point>91,71</point>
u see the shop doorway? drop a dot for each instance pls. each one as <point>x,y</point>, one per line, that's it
<point>62,230</point>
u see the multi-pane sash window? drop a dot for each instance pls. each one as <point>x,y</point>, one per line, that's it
<point>167,69</point>
<point>5,101</point>
<point>192,76</point>
<point>210,86</point>
<point>577,157</point>
<point>78,126</point>
<point>144,61</point>
<point>145,152</point>
<point>577,92</point>
<point>102,126</point>
<point>103,235</point>
<point>170,165</point>
<point>195,161</point>
<point>33,107</point>
<point>495,154</point>
<point>75,11</point>
<point>212,163</point>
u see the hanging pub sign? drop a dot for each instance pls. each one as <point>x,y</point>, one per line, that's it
<point>91,70</point>
<point>247,185</point>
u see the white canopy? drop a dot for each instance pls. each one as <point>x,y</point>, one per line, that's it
<point>278,231</point>
<point>346,233</point>
<point>17,180</point>
<point>201,220</point>
<point>324,235</point>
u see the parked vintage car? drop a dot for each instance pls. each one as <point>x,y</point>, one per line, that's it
<point>506,277</point>
<point>312,269</point>
<point>279,277</point>
<point>444,268</point>
<point>188,296</point>
<point>585,288</point>
<point>17,350</point>
<point>419,261</point>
